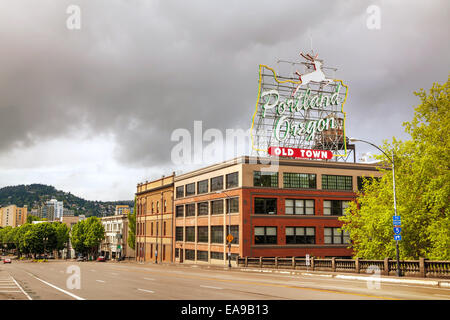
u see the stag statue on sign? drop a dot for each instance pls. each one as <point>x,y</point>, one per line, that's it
<point>316,76</point>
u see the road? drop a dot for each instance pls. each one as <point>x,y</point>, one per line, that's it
<point>131,281</point>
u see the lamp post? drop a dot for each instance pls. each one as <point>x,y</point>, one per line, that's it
<point>229,227</point>
<point>395,197</point>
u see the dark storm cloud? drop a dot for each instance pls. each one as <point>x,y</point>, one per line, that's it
<point>140,69</point>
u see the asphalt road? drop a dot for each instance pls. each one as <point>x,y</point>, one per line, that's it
<point>132,281</point>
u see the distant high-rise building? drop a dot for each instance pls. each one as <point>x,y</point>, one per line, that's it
<point>52,210</point>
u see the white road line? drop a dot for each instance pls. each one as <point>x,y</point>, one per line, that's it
<point>210,287</point>
<point>21,289</point>
<point>1,291</point>
<point>59,289</point>
<point>149,279</point>
<point>100,281</point>
<point>149,291</point>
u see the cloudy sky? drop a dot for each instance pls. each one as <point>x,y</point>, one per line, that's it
<point>92,110</point>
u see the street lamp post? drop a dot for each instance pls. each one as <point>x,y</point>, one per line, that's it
<point>395,197</point>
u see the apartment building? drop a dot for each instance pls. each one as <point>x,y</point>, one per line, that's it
<point>115,245</point>
<point>154,220</point>
<point>13,216</point>
<point>288,209</point>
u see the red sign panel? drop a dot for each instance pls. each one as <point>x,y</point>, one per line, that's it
<point>300,153</point>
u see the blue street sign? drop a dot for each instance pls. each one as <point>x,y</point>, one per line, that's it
<point>396,221</point>
<point>397,237</point>
<point>397,230</point>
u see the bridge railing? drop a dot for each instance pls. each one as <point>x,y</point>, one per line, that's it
<point>416,268</point>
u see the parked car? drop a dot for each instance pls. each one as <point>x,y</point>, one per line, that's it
<point>81,258</point>
<point>7,260</point>
<point>101,259</point>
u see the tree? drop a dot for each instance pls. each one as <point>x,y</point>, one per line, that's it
<point>132,227</point>
<point>62,235</point>
<point>40,238</point>
<point>87,234</point>
<point>422,168</point>
<point>31,218</point>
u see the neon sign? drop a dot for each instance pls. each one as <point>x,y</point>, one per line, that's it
<point>303,114</point>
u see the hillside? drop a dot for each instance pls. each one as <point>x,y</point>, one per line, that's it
<point>34,195</point>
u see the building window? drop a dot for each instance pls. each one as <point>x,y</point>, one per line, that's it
<point>265,206</point>
<point>299,180</point>
<point>189,254</point>
<point>334,207</point>
<point>299,206</point>
<point>164,228</point>
<point>217,207</point>
<point>202,209</point>
<point>190,234</point>
<point>202,255</point>
<point>233,205</point>
<point>180,192</point>
<point>202,186</point>
<point>217,183</point>
<point>235,233</point>
<point>190,210</point>
<point>265,179</point>
<point>153,207</point>
<point>177,252</point>
<point>336,236</point>
<point>151,229</point>
<point>157,206</point>
<point>216,234</point>
<point>165,205</point>
<point>217,255</point>
<point>300,235</point>
<point>265,235</point>
<point>365,180</point>
<point>179,234</point>
<point>232,180</point>
<point>331,182</point>
<point>202,234</point>
<point>179,211</point>
<point>190,189</point>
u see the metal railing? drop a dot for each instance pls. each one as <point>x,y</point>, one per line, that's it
<point>416,268</point>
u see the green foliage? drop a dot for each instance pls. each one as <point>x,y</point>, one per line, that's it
<point>62,235</point>
<point>32,218</point>
<point>132,227</point>
<point>87,234</point>
<point>422,175</point>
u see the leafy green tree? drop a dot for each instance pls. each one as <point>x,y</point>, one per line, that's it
<point>132,227</point>
<point>41,238</point>
<point>23,248</point>
<point>32,218</point>
<point>87,235</point>
<point>62,235</point>
<point>422,172</point>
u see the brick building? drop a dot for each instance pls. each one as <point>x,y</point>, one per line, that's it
<point>287,210</point>
<point>154,220</point>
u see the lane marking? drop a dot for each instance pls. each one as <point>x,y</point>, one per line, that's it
<point>263,284</point>
<point>57,288</point>
<point>210,287</point>
<point>11,291</point>
<point>100,281</point>
<point>21,289</point>
<point>149,279</point>
<point>149,291</point>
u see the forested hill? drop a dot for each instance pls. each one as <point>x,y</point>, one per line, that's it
<point>34,195</point>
